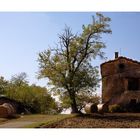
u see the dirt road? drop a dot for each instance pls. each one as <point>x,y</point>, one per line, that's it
<point>31,121</point>
<point>14,124</point>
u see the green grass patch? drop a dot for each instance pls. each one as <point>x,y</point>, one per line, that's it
<point>43,120</point>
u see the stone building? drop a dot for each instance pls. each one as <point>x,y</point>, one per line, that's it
<point>121,81</point>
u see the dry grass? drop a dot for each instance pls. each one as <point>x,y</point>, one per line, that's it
<point>122,120</point>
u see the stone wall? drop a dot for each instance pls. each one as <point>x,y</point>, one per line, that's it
<point>116,77</point>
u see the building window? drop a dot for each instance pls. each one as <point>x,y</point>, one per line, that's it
<point>121,66</point>
<point>133,84</point>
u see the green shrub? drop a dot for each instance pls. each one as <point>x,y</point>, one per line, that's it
<point>115,108</point>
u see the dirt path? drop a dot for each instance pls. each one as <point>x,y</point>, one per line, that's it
<point>31,121</point>
<point>14,124</point>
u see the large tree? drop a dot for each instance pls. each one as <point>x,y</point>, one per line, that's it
<point>69,66</point>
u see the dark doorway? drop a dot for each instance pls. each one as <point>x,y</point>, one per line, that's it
<point>133,84</point>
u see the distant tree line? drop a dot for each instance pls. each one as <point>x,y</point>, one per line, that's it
<point>35,97</point>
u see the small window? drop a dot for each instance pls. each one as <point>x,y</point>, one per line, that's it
<point>121,66</point>
<point>133,84</point>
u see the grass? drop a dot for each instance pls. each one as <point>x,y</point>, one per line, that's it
<point>32,121</point>
<point>43,120</point>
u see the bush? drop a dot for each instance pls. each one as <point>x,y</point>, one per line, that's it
<point>115,108</point>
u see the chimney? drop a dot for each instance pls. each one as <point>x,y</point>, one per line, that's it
<point>116,55</point>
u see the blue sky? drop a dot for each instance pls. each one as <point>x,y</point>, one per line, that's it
<point>23,35</point>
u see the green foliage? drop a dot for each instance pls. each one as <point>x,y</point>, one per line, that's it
<point>33,96</point>
<point>69,65</point>
<point>82,99</point>
<point>115,108</point>
<point>19,79</point>
<point>3,85</point>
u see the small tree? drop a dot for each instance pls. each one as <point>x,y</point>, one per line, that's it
<point>19,79</point>
<point>68,67</point>
<point>3,85</point>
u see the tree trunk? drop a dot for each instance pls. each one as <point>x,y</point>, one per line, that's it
<point>73,103</point>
